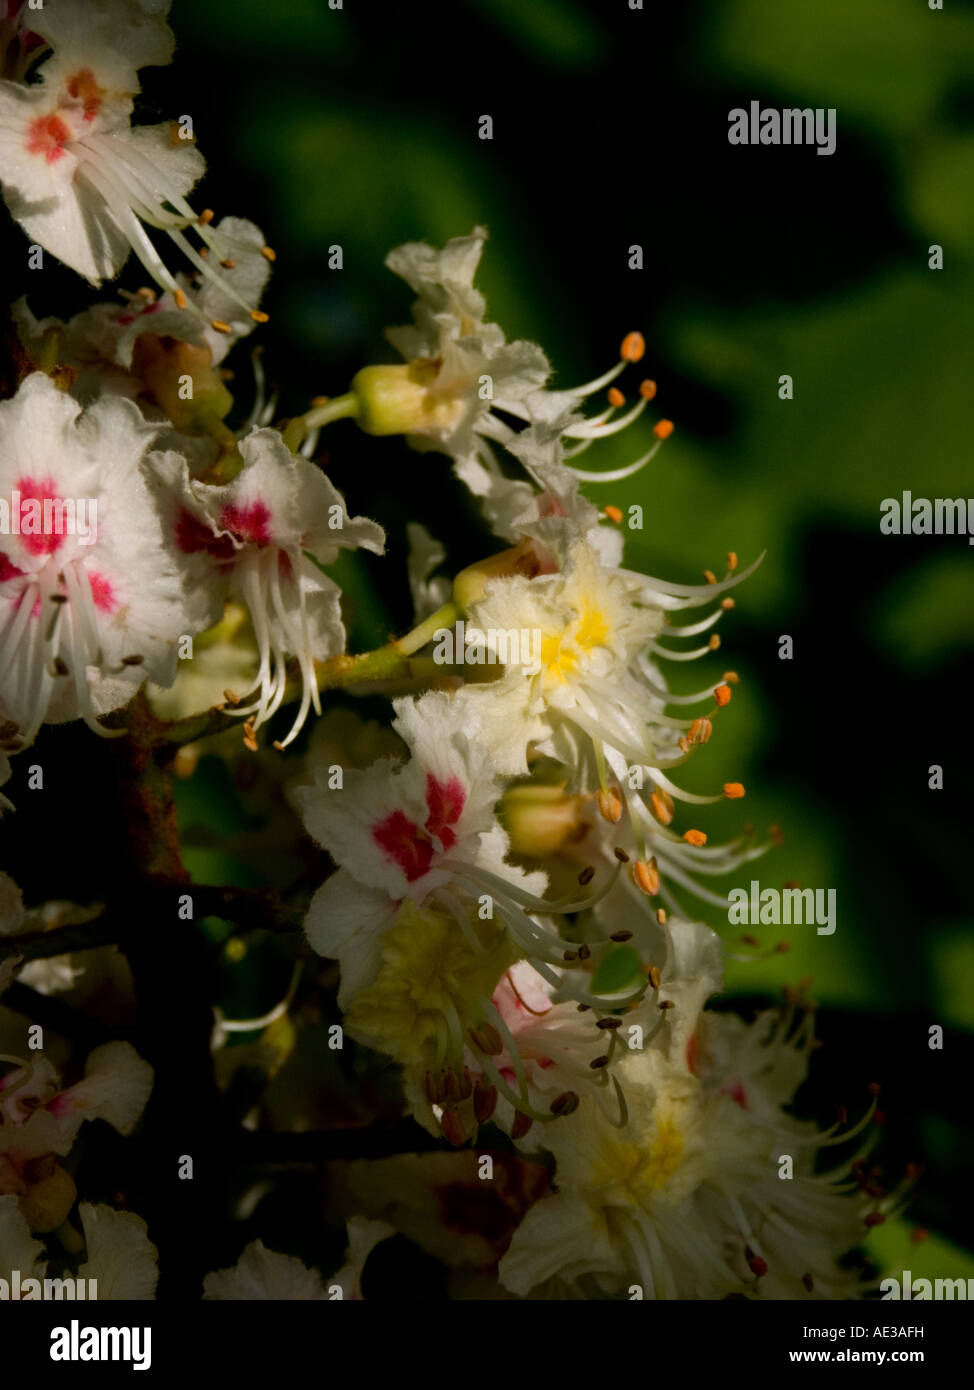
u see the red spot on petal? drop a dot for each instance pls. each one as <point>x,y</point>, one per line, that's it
<point>46,536</point>
<point>399,838</point>
<point>445,801</point>
<point>545,1062</point>
<point>103,592</point>
<point>193,535</point>
<point>83,87</point>
<point>737,1093</point>
<point>250,523</point>
<point>8,570</point>
<point>47,137</point>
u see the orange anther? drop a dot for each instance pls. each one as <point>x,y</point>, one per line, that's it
<point>697,838</point>
<point>723,695</point>
<point>714,641</point>
<point>661,916</point>
<point>733,790</point>
<point>732,560</point>
<point>614,514</point>
<point>633,347</point>
<point>726,603</point>
<point>610,805</point>
<point>663,429</point>
<point>205,217</point>
<point>616,398</point>
<point>229,265</point>
<point>259,316</point>
<point>180,297</point>
<point>662,804</point>
<point>732,678</point>
<point>268,253</point>
<point>647,389</point>
<point>646,876</point>
<point>700,731</point>
<point>710,577</point>
<point>220,326</point>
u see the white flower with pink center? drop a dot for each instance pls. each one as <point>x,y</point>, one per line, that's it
<point>263,537</point>
<point>79,178</point>
<point>92,601</point>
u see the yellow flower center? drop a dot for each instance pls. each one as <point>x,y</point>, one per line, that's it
<point>562,651</point>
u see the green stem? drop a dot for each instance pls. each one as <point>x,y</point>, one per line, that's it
<point>424,632</point>
<point>298,429</point>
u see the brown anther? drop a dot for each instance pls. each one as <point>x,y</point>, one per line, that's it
<point>431,1088</point>
<point>750,940</point>
<point>842,1114</point>
<point>912,1171</point>
<point>320,400</point>
<point>661,916</point>
<point>586,875</point>
<point>484,1100</point>
<point>875,1218</point>
<point>522,1123</point>
<point>808,1283</point>
<point>584,952</point>
<point>486,1038</point>
<point>697,838</point>
<point>449,1085</point>
<point>610,805</point>
<point>733,790</point>
<point>757,1266</point>
<point>614,514</point>
<point>661,804</point>
<point>663,429</point>
<point>570,955</point>
<point>268,253</point>
<point>919,1234</point>
<point>710,577</point>
<point>731,678</point>
<point>229,265</point>
<point>633,347</point>
<point>700,730</point>
<point>775,832</point>
<point>583,1008</point>
<point>565,1104</point>
<point>278,746</point>
<point>60,666</point>
<point>59,598</point>
<point>727,604</point>
<point>646,876</point>
<point>665,1004</point>
<point>609,1022</point>
<point>621,936</point>
<point>647,389</point>
<point>654,976</point>
<point>616,398</point>
<point>874,1088</point>
<point>220,326</point>
<point>180,297</point>
<point>732,560</point>
<point>136,659</point>
<point>205,217</point>
<point>598,1063</point>
<point>723,695</point>
<point>452,1127</point>
<point>880,1117</point>
<point>622,857</point>
<point>466,1083</point>
<point>250,736</point>
<point>259,316</point>
<point>231,698</point>
<point>782,948</point>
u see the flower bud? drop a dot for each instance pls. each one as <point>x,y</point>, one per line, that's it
<point>401,399</point>
<point>182,381</point>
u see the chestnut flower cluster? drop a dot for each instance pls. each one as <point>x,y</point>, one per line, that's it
<point>513,905</point>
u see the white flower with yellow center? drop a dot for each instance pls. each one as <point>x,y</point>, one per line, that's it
<point>695,1199</point>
